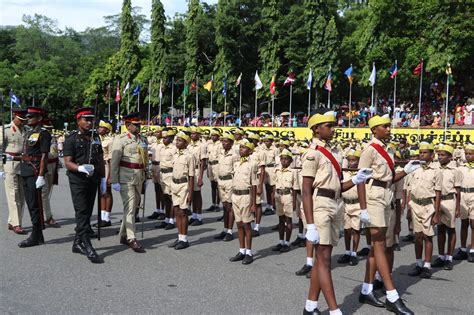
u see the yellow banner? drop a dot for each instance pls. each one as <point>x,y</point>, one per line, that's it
<point>433,135</point>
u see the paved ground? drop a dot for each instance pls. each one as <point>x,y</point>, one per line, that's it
<point>200,279</point>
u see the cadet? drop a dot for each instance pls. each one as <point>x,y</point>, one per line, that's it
<point>13,146</point>
<point>184,171</point>
<point>34,165</point>
<point>129,164</point>
<point>156,147</point>
<point>214,148</point>
<point>271,154</point>
<point>425,194</point>
<point>374,199</point>
<point>450,207</point>
<point>414,155</point>
<point>322,185</point>
<point>285,189</point>
<point>244,200</point>
<point>225,173</point>
<point>258,156</point>
<point>199,151</point>
<point>84,161</point>
<point>106,199</point>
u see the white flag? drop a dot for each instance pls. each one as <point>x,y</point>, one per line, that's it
<point>126,87</point>
<point>309,83</point>
<point>238,80</point>
<point>372,76</point>
<point>258,82</point>
<point>161,92</point>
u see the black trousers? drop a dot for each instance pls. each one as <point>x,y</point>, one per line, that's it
<point>83,194</point>
<point>32,201</point>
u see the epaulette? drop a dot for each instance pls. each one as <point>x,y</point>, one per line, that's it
<point>71,133</point>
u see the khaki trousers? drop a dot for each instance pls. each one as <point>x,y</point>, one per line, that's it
<point>131,195</point>
<point>46,192</point>
<point>15,197</point>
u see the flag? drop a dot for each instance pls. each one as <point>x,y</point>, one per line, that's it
<point>290,79</point>
<point>14,99</point>
<point>373,75</point>
<point>193,86</point>
<point>418,69</point>
<point>327,85</point>
<point>309,83</point>
<point>224,89</point>
<point>161,90</point>
<point>272,85</point>
<point>449,73</point>
<point>394,71</point>
<point>136,90</point>
<point>348,74</point>
<point>258,82</point>
<point>238,80</point>
<point>126,87</point>
<point>107,95</point>
<point>117,95</point>
<point>208,85</point>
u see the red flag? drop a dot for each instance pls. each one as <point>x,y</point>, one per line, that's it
<point>193,86</point>
<point>418,69</point>
<point>290,79</point>
<point>272,86</point>
<point>117,95</point>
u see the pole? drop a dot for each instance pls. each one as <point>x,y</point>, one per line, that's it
<point>291,101</point>
<point>128,101</point>
<point>329,99</point>
<point>184,104</point>
<point>197,99</point>
<point>108,110</point>
<point>161,102</point>
<point>350,104</point>
<point>210,118</point>
<point>225,108</point>
<point>309,101</point>
<point>273,110</point>
<point>11,109</point>
<point>172,97</point>
<point>240,105</point>
<point>138,102</point>
<point>394,94</point>
<point>118,109</point>
<point>446,107</point>
<point>255,117</point>
<point>149,105</point>
<point>419,99</point>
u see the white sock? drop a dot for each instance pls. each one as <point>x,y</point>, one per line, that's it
<point>442,257</point>
<point>171,221</point>
<point>311,305</point>
<point>309,261</point>
<point>449,258</point>
<point>157,210</point>
<point>194,215</point>
<point>287,243</point>
<point>335,312</point>
<point>282,242</point>
<point>367,288</point>
<point>419,262</point>
<point>162,210</point>
<point>427,265</point>
<point>242,251</point>
<point>369,247</point>
<point>377,276</point>
<point>256,227</point>
<point>248,252</point>
<point>354,254</point>
<point>185,238</point>
<point>229,231</point>
<point>199,216</point>
<point>392,295</point>
<point>167,220</point>
<point>471,250</point>
<point>180,237</point>
<point>348,252</point>
<point>102,215</point>
<point>301,235</point>
<point>463,249</point>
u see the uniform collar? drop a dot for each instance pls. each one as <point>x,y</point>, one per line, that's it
<point>451,165</point>
<point>379,142</point>
<point>320,142</point>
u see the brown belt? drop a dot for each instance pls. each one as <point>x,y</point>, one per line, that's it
<point>53,160</point>
<point>467,190</point>
<point>31,158</point>
<point>270,165</point>
<point>213,162</point>
<point>448,197</point>
<point>328,193</point>
<point>181,180</point>
<point>350,201</point>
<point>283,191</point>
<point>422,201</point>
<point>13,154</point>
<point>241,192</point>
<point>135,166</point>
<point>226,177</point>
<point>166,170</point>
<point>379,183</point>
<point>155,163</point>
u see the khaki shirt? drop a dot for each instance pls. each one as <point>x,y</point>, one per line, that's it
<point>452,178</point>
<point>107,142</point>
<point>184,164</point>
<point>199,150</point>
<point>286,178</point>
<point>425,181</point>
<point>13,144</point>
<point>226,163</point>
<point>166,155</point>
<point>155,149</point>
<point>245,174</point>
<point>130,149</point>
<point>398,186</point>
<point>53,156</point>
<point>213,150</point>
<point>370,158</point>
<point>350,194</point>
<point>270,154</point>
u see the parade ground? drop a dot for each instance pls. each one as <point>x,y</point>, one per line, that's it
<point>50,279</point>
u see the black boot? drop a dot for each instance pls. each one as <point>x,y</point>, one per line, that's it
<point>36,238</point>
<point>77,246</point>
<point>90,251</point>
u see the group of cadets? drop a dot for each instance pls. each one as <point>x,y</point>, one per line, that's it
<point>357,188</point>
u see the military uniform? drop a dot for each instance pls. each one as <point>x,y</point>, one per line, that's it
<point>51,178</point>
<point>199,151</point>
<point>467,191</point>
<point>351,206</point>
<point>225,172</point>
<point>286,182</point>
<point>452,178</point>
<point>245,176</point>
<point>184,166</point>
<point>214,149</point>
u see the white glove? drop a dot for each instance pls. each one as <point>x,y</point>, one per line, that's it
<point>116,186</point>
<point>82,169</point>
<point>412,166</point>
<point>40,182</point>
<point>362,176</point>
<point>2,175</point>
<point>312,234</point>
<point>364,216</point>
<point>103,185</point>
<point>9,157</point>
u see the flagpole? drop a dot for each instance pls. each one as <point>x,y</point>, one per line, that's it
<point>350,104</point>
<point>394,93</point>
<point>446,106</point>
<point>419,99</point>
<point>225,108</point>
<point>309,101</point>
<point>138,104</point>
<point>161,101</point>
<point>108,110</point>
<point>11,109</point>
<point>210,118</point>
<point>118,108</point>
<point>149,104</point>
<point>329,99</point>
<point>291,101</point>
<point>197,99</point>
<point>184,104</point>
<point>128,101</point>
<point>240,104</point>
<point>255,117</point>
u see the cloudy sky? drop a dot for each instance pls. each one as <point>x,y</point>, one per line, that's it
<point>78,14</point>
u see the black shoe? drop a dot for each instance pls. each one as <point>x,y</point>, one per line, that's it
<point>363,252</point>
<point>460,255</point>
<point>153,216</point>
<point>170,226</point>
<point>248,259</point>
<point>415,272</point>
<point>219,219</point>
<point>255,233</point>
<point>104,223</point>
<point>370,299</point>
<point>161,216</point>
<point>448,265</point>
<point>425,273</point>
<point>378,285</point>
<point>217,209</point>
<point>78,247</point>
<point>398,307</point>
<point>191,221</point>
<point>408,238</point>
<point>308,275</point>
<point>354,261</point>
<point>277,248</point>
<point>181,245</point>
<point>172,245</point>
<point>161,225</point>
<point>285,249</point>
<point>344,259</point>
<point>35,239</point>
<point>220,236</point>
<point>196,223</point>
<point>315,311</point>
<point>438,263</point>
<point>228,237</point>
<point>396,247</point>
<point>237,257</point>
<point>299,242</point>
<point>210,209</point>
<point>276,227</point>
<point>304,270</point>
<point>90,251</point>
<point>268,211</point>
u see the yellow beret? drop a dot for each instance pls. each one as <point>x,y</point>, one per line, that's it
<point>446,147</point>
<point>195,129</point>
<point>378,120</point>
<point>469,146</point>
<point>353,152</point>
<point>286,152</point>
<point>285,142</point>
<point>228,135</point>
<point>268,136</point>
<point>168,133</point>
<point>239,131</point>
<point>414,152</point>
<point>317,119</point>
<point>105,124</point>
<point>158,128</point>
<point>253,136</point>
<point>183,136</point>
<point>186,129</point>
<point>247,143</point>
<point>425,146</point>
<point>215,132</point>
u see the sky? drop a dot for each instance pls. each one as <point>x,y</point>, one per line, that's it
<point>79,14</point>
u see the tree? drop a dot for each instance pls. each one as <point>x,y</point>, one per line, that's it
<point>158,49</point>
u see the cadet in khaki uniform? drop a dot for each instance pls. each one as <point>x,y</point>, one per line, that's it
<point>198,149</point>
<point>166,156</point>
<point>467,204</point>
<point>238,135</point>
<point>224,174</point>
<point>271,155</point>
<point>51,177</point>
<point>414,155</point>
<point>374,199</point>
<point>106,199</point>
<point>322,185</point>
<point>129,163</point>
<point>155,148</point>
<point>184,170</point>
<point>10,171</point>
<point>258,156</point>
<point>285,189</point>
<point>244,200</point>
<point>450,207</point>
<point>214,148</point>
<point>424,200</point>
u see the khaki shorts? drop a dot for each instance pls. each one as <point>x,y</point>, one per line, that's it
<point>269,176</point>
<point>212,172</point>
<point>421,217</point>
<point>390,234</point>
<point>467,206</point>
<point>155,173</point>
<point>241,208</point>
<point>258,199</point>
<point>326,219</point>
<point>179,195</point>
<point>448,213</point>
<point>284,205</point>
<point>378,206</point>
<point>351,216</point>
<point>166,181</point>
<point>225,190</point>
<point>196,187</point>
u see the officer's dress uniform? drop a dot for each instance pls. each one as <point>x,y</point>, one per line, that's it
<point>47,190</point>
<point>13,181</point>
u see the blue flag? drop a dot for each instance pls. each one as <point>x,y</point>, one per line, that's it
<point>136,90</point>
<point>14,99</point>
<point>224,90</point>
